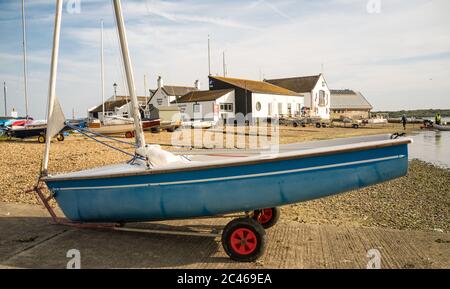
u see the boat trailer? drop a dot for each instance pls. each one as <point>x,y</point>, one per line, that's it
<point>244,238</point>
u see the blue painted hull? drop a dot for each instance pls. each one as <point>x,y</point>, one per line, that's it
<point>226,190</point>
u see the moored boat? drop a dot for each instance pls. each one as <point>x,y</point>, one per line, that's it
<point>32,129</point>
<point>442,127</point>
<point>127,129</point>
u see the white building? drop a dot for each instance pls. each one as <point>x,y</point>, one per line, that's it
<point>315,90</point>
<point>164,95</point>
<point>260,99</point>
<point>119,106</point>
<point>350,104</point>
<point>210,105</point>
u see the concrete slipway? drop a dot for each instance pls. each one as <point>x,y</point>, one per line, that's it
<point>29,240</point>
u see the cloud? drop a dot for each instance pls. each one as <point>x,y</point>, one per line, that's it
<point>395,58</point>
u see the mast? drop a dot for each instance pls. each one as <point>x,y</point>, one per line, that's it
<point>25,69</point>
<point>209,56</point>
<point>52,82</point>
<point>145,92</point>
<point>224,66</point>
<point>102,69</point>
<point>5,89</point>
<point>140,138</point>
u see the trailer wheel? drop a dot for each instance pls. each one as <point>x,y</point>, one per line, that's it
<point>244,240</point>
<point>267,217</point>
<point>171,129</point>
<point>60,137</point>
<point>295,124</point>
<point>355,126</point>
<point>318,125</point>
<point>41,138</point>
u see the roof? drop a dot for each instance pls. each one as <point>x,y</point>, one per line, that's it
<point>256,86</point>
<point>348,99</point>
<point>121,97</point>
<point>111,104</point>
<point>205,95</point>
<point>178,90</point>
<point>297,84</point>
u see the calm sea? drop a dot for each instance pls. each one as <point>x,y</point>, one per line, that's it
<point>432,147</point>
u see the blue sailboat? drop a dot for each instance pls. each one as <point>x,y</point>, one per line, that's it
<point>158,185</point>
<point>215,185</point>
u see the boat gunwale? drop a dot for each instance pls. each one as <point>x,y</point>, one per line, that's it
<point>300,155</point>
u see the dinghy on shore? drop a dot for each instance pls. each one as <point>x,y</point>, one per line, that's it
<point>159,185</point>
<point>173,187</point>
<point>442,127</point>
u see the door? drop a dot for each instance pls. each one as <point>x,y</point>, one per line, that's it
<point>198,115</point>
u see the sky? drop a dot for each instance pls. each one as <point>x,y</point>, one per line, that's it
<point>396,52</point>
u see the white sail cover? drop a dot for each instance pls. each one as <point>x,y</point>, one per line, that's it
<point>157,157</point>
<point>56,121</point>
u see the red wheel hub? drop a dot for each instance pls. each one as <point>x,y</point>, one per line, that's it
<point>243,241</point>
<point>265,216</point>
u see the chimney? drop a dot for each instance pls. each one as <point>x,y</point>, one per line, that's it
<point>160,82</point>
<point>197,84</point>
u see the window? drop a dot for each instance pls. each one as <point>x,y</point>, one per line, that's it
<point>322,98</point>
<point>270,109</point>
<point>299,109</point>
<point>280,108</point>
<point>289,109</point>
<point>226,107</point>
<point>258,106</point>
<point>197,108</point>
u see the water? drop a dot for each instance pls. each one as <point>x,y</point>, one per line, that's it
<point>432,147</point>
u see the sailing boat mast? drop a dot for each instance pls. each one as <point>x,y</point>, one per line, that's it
<point>145,89</point>
<point>140,138</point>
<point>25,69</point>
<point>5,89</point>
<point>102,70</point>
<point>52,82</point>
<point>209,55</point>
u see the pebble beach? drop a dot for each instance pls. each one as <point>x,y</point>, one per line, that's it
<point>419,201</point>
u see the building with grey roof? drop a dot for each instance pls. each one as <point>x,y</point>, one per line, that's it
<point>350,104</point>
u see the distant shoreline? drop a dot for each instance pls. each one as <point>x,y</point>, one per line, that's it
<point>418,113</point>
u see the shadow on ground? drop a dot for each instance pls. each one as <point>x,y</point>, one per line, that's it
<point>37,243</point>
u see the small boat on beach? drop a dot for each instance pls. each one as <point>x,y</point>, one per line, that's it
<point>442,127</point>
<point>172,187</point>
<point>32,129</point>
<point>119,127</point>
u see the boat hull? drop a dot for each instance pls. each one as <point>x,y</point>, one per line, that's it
<point>113,129</point>
<point>223,190</point>
<point>442,127</point>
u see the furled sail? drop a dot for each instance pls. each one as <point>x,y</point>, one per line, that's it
<point>56,121</point>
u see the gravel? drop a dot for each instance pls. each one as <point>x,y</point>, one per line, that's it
<point>419,201</point>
